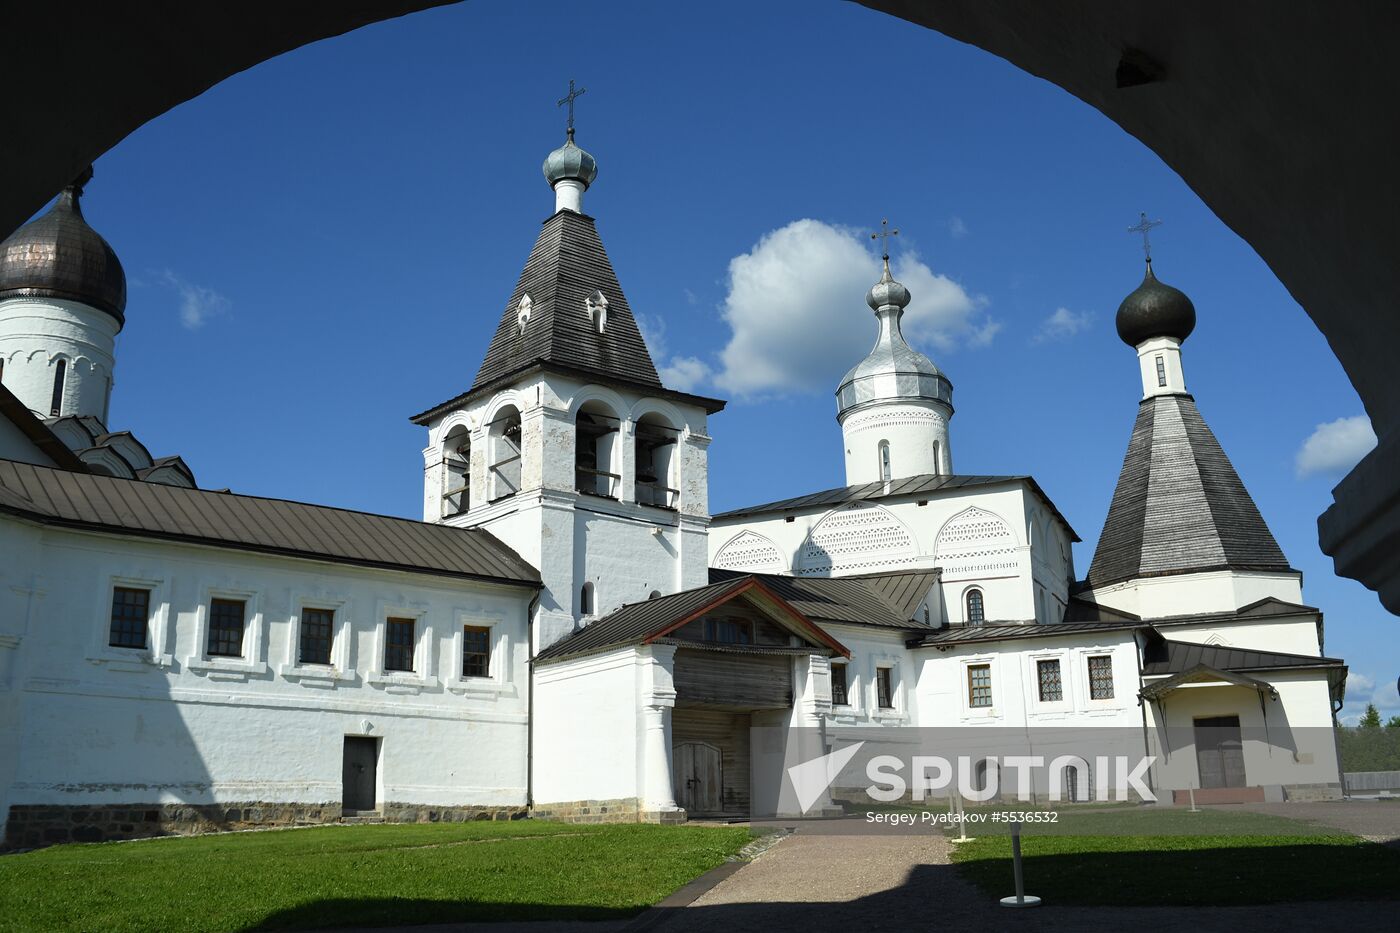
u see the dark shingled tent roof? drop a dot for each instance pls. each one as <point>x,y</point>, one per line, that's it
<point>567,265</point>
<point>1179,507</point>
<point>273,526</point>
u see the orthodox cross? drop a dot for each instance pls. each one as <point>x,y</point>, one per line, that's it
<point>884,234</point>
<point>569,99</point>
<point>1143,226</point>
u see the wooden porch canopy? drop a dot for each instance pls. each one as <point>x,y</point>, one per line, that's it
<point>653,620</point>
<point>1204,674</point>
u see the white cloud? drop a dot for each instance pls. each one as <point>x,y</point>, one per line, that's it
<point>685,373</point>
<point>1336,446</point>
<point>956,228</point>
<point>798,319</point>
<point>197,303</point>
<point>1062,325</point>
<point>1363,689</point>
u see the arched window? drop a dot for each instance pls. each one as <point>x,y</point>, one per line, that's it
<point>595,437</point>
<point>585,600</point>
<point>456,471</point>
<point>59,372</point>
<point>976,611</point>
<point>885,472</point>
<point>503,471</point>
<point>656,460</point>
<point>937,461</point>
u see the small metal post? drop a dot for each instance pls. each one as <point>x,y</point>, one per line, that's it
<point>1020,898</point>
<point>1192,792</point>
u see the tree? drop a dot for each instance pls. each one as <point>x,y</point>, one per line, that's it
<point>1393,722</point>
<point>1371,719</point>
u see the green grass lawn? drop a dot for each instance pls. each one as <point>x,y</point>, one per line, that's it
<point>1152,856</point>
<point>358,876</point>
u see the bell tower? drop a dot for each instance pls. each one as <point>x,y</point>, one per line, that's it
<point>567,446</point>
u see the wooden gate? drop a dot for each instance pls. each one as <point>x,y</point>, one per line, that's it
<point>1219,752</point>
<point>698,777</point>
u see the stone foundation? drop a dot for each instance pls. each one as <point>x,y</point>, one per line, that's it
<point>31,826</point>
<point>623,810</point>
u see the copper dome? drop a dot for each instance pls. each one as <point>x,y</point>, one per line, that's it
<point>57,255</point>
<point>1155,309</point>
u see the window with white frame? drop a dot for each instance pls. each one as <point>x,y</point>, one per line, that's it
<point>1047,671</point>
<point>884,687</point>
<point>839,688</point>
<point>979,686</point>
<point>317,635</point>
<point>885,471</point>
<point>976,608</point>
<point>1161,372</point>
<point>476,651</point>
<point>1100,677</point>
<point>130,619</point>
<point>400,643</point>
<point>228,619</point>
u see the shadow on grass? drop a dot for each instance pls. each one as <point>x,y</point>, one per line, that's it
<point>352,912</point>
<point>1187,871</point>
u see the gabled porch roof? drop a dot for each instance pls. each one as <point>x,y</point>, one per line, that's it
<point>651,621</point>
<point>1179,663</point>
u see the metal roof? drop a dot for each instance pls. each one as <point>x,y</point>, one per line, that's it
<point>907,486</point>
<point>274,526</point>
<point>38,432</point>
<point>1179,506</point>
<point>652,619</point>
<point>973,634</point>
<point>1176,657</point>
<point>887,600</point>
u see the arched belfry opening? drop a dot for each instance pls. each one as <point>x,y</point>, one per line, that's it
<point>456,471</point>
<point>657,462</point>
<point>504,466</point>
<point>597,471</point>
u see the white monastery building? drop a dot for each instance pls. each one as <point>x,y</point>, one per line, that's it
<point>568,631</point>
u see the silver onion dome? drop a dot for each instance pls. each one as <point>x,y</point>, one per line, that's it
<point>893,371</point>
<point>57,255</point>
<point>570,161</point>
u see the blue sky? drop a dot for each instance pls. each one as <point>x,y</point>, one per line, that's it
<point>322,246</point>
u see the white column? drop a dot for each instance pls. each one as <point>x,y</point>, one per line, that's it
<point>657,794</point>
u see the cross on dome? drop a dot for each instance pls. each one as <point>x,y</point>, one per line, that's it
<point>1143,226</point>
<point>884,233</point>
<point>569,99</point>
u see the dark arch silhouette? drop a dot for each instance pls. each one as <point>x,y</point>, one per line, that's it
<point>1274,114</point>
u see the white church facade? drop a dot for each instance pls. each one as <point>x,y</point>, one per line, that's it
<point>568,631</point>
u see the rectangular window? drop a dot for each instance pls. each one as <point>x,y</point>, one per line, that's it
<point>884,688</point>
<point>1051,689</point>
<point>131,609</point>
<point>979,685</point>
<point>476,651</point>
<point>317,630</point>
<point>398,645</point>
<point>838,686</point>
<point>1161,372</point>
<point>729,631</point>
<point>226,619</point>
<point>1100,677</point>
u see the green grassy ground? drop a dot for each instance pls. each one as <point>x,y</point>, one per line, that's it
<point>1154,856</point>
<point>358,875</point>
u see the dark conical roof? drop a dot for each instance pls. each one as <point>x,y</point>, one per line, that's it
<point>1179,507</point>
<point>1155,309</point>
<point>567,265</point>
<point>57,255</point>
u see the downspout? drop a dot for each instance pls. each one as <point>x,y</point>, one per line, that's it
<point>530,703</point>
<point>1336,742</point>
<point>1141,643</point>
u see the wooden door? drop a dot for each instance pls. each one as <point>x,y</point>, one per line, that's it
<point>698,777</point>
<point>1219,752</point>
<point>358,776</point>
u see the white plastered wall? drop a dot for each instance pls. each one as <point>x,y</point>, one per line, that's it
<point>37,332</point>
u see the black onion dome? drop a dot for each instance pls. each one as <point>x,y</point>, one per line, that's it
<point>1155,310</point>
<point>58,255</point>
